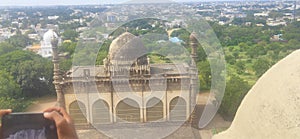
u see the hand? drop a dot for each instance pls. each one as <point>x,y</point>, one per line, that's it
<point>4,112</point>
<point>63,122</point>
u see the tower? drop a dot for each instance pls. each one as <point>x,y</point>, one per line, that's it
<point>193,77</point>
<point>56,75</point>
<point>193,45</point>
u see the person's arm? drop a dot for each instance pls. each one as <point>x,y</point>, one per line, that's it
<point>4,112</point>
<point>63,122</point>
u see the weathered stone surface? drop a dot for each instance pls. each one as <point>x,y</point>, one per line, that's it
<point>271,109</point>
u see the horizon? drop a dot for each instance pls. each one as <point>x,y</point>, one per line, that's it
<point>18,3</point>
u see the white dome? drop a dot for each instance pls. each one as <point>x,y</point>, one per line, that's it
<point>49,35</point>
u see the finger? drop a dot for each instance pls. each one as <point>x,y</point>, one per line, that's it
<point>3,112</point>
<point>58,109</point>
<point>60,122</point>
<point>55,116</point>
<point>65,114</point>
<point>52,109</point>
<point>61,111</point>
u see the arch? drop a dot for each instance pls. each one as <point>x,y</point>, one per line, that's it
<point>78,112</point>
<point>154,110</point>
<point>128,110</point>
<point>100,112</point>
<point>177,111</point>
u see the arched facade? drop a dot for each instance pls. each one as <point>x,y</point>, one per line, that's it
<point>128,110</point>
<point>100,112</point>
<point>77,111</point>
<point>177,109</point>
<point>154,110</point>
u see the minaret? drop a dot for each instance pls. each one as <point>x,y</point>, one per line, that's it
<point>193,79</point>
<point>194,45</point>
<point>56,76</point>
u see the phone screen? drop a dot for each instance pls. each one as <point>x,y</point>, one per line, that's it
<point>27,126</point>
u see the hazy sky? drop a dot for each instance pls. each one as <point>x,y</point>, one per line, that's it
<point>64,2</point>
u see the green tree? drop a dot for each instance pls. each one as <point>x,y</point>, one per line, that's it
<point>293,44</point>
<point>10,93</point>
<point>230,59</point>
<point>34,77</point>
<point>68,47</point>
<point>70,35</point>
<point>236,89</point>
<point>19,41</point>
<point>8,86</point>
<point>243,46</point>
<point>292,31</point>
<point>17,105</point>
<point>240,67</point>
<point>65,64</point>
<point>6,47</point>
<point>204,74</point>
<point>260,66</point>
<point>257,50</point>
<point>32,72</point>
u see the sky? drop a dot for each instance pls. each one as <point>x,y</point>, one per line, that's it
<point>66,2</point>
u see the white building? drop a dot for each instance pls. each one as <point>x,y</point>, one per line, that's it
<point>263,14</point>
<point>46,47</point>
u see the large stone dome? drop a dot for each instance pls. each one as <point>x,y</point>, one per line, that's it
<point>118,43</point>
<point>126,48</point>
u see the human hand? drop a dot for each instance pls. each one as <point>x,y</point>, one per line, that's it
<point>63,122</point>
<point>4,112</point>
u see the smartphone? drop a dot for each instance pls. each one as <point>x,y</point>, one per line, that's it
<point>27,126</point>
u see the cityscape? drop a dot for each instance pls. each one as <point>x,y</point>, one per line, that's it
<point>35,21</point>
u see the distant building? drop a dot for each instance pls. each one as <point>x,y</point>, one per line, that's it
<point>263,14</point>
<point>34,48</point>
<point>248,23</point>
<point>5,33</point>
<point>277,37</point>
<point>276,23</point>
<point>53,17</point>
<point>260,25</point>
<point>46,47</point>
<point>34,36</point>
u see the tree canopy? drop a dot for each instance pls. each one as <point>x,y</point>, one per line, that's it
<point>32,72</point>
<point>235,91</point>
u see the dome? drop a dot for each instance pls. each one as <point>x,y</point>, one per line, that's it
<point>118,43</point>
<point>126,48</point>
<point>49,35</point>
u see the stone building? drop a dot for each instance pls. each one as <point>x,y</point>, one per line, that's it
<point>128,88</point>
